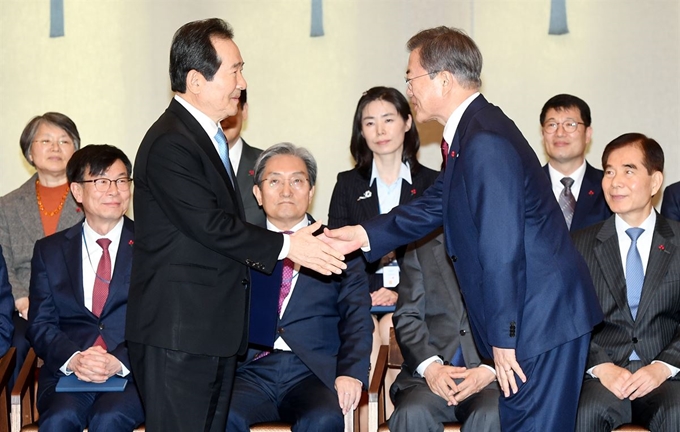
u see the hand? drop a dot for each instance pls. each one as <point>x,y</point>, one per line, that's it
<point>646,379</point>
<point>613,378</point>
<point>440,380</point>
<point>346,239</point>
<point>310,252</point>
<point>349,393</point>
<point>506,368</point>
<point>383,297</point>
<point>94,365</point>
<point>474,380</point>
<point>22,306</point>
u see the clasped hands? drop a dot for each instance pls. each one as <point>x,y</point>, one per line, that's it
<point>325,252</point>
<point>624,384</point>
<point>94,365</point>
<point>441,380</point>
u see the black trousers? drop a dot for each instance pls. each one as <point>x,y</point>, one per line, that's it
<point>182,392</point>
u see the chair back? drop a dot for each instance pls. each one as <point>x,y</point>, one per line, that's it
<point>7,363</point>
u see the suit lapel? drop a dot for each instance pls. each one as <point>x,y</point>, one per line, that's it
<point>121,271</point>
<point>30,219</point>
<point>586,196</point>
<point>609,259</point>
<point>660,257</point>
<point>73,259</point>
<point>368,206</point>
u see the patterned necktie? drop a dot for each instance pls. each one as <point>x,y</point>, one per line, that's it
<point>223,150</point>
<point>635,276</point>
<point>567,200</point>
<point>101,284</point>
<point>445,151</point>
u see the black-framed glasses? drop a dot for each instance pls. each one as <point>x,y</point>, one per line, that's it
<point>103,184</point>
<point>408,80</point>
<point>569,126</point>
<point>276,183</point>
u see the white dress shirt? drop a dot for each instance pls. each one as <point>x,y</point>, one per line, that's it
<point>454,120</point>
<point>235,151</point>
<point>577,176</point>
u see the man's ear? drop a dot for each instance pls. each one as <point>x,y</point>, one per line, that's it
<point>77,191</point>
<point>258,194</point>
<point>195,81</point>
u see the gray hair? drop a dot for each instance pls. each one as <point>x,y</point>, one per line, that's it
<point>449,49</point>
<point>281,149</point>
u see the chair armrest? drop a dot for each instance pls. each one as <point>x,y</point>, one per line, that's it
<point>376,391</point>
<point>23,393</point>
<point>7,363</point>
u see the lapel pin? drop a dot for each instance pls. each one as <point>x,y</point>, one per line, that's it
<point>366,195</point>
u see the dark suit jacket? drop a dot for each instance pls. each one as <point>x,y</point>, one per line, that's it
<point>655,333</point>
<point>190,275</point>
<point>430,319</point>
<point>670,207</point>
<point>59,324</point>
<point>327,322</point>
<point>591,206</point>
<point>244,176</point>
<point>347,209</point>
<point>6,308</point>
<point>524,284</point>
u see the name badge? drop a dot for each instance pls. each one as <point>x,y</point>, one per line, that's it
<point>391,274</point>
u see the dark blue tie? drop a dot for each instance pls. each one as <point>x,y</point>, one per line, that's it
<point>635,276</point>
<point>223,150</point>
<point>458,359</point>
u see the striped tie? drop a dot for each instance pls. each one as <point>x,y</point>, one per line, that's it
<point>635,276</point>
<point>567,200</point>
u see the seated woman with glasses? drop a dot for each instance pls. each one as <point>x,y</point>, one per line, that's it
<point>38,208</point>
<point>384,146</point>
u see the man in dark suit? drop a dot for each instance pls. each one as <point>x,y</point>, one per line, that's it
<point>634,261</point>
<point>670,206</point>
<point>318,363</point>
<point>189,290</point>
<point>528,293</point>
<point>433,332</point>
<point>243,157</point>
<point>78,299</point>
<point>565,123</point>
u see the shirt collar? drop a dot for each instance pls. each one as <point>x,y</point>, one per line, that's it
<point>92,236</point>
<point>404,173</point>
<point>648,224</point>
<point>454,120</point>
<point>303,223</point>
<point>209,126</point>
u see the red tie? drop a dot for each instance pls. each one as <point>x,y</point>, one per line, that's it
<point>101,284</point>
<point>445,151</point>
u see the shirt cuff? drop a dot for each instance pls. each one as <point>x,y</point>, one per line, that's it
<point>285,248</point>
<point>420,370</point>
<point>674,371</point>
<point>590,371</point>
<point>367,248</point>
<point>123,370</point>
<point>489,367</point>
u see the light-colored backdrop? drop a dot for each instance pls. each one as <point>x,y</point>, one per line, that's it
<point>109,73</point>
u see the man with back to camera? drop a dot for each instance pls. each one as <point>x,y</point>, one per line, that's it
<point>634,262</point>
<point>529,297</point>
<point>565,125</point>
<point>78,298</point>
<point>242,157</point>
<point>314,371</point>
<point>189,289</point>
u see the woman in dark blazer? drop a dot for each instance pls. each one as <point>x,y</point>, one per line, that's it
<point>384,146</point>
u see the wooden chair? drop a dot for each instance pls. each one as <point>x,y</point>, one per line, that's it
<point>389,356</point>
<point>351,425</point>
<point>631,428</point>
<point>7,363</point>
<point>24,395</point>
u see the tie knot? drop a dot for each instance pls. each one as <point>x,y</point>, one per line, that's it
<point>286,232</point>
<point>567,182</point>
<point>634,233</point>
<point>220,137</point>
<point>104,243</point>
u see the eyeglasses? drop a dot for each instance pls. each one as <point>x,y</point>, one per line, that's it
<point>50,143</point>
<point>295,183</point>
<point>103,184</point>
<point>569,126</point>
<point>408,80</point>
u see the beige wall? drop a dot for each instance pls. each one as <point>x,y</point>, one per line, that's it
<point>109,73</point>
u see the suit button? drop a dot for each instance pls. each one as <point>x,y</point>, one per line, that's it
<point>454,258</point>
<point>462,332</point>
<point>281,330</point>
<point>635,340</point>
<point>244,282</point>
<point>101,326</point>
<point>249,262</point>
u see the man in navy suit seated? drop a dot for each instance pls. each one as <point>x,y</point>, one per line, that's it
<point>565,123</point>
<point>318,363</point>
<point>78,300</point>
<point>6,308</point>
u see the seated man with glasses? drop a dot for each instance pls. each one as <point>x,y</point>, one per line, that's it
<point>78,300</point>
<point>310,334</point>
<point>565,121</point>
